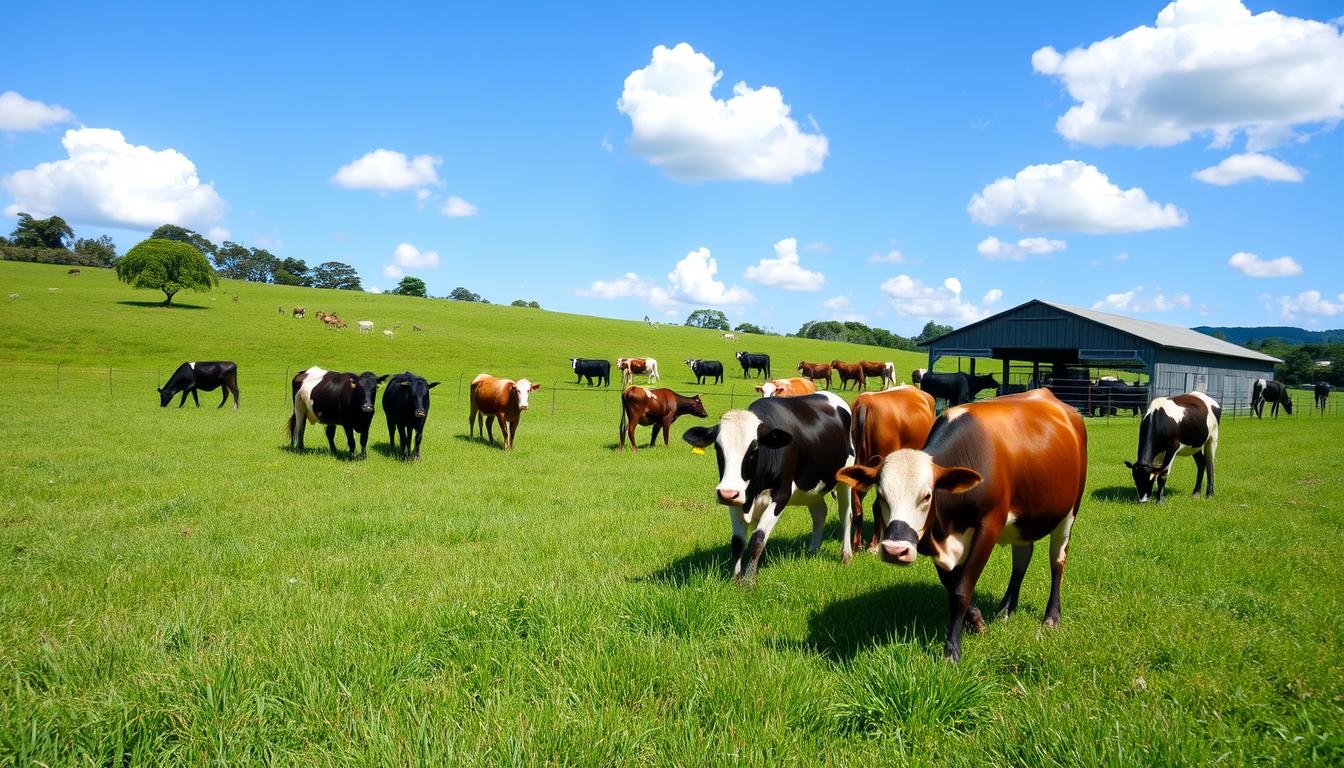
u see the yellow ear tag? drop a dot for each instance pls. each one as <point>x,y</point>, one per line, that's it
<point>698,451</point>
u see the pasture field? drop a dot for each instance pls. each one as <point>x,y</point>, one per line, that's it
<point>177,588</point>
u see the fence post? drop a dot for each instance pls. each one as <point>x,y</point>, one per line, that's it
<point>109,382</point>
<point>553,386</point>
<point>58,377</point>
<point>732,395</point>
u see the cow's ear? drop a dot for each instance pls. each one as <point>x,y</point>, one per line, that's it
<point>383,378</point>
<point>773,438</point>
<point>354,384</point>
<point>701,437</point>
<point>955,479</point>
<point>859,476</point>
<point>1129,464</point>
<point>535,387</point>
<point>760,388</point>
<point>432,385</point>
<point>875,461</point>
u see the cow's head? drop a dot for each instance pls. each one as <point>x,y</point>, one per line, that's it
<point>165,396</point>
<point>366,389</point>
<point>740,356</point>
<point>520,390</point>
<point>979,383</point>
<point>741,441</point>
<point>416,391</point>
<point>574,363</point>
<point>1144,477</point>
<point>768,389</point>
<point>696,407</point>
<point>1287,403</point>
<point>691,363</point>
<point>906,481</point>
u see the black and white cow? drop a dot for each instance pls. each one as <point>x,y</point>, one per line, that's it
<point>1184,425</point>
<point>207,377</point>
<point>706,369</point>
<point>599,370</point>
<point>779,452</point>
<point>956,388</point>
<point>751,361</point>
<point>406,406</point>
<point>1272,392</point>
<point>336,400</point>
<point>1322,395</point>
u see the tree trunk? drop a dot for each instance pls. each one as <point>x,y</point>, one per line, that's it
<point>168,302</point>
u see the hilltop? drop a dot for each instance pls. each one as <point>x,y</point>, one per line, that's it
<point>1285,333</point>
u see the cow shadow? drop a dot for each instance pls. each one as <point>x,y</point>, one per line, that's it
<point>1115,493</point>
<point>481,441</point>
<point>914,612</point>
<point>159,304</point>
<point>714,559</point>
<point>340,455</point>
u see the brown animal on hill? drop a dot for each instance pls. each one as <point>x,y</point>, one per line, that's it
<point>885,422</point>
<point>848,372</point>
<point>72,271</point>
<point>816,372</point>
<point>792,387</point>
<point>502,400</point>
<point>299,312</point>
<point>658,408</point>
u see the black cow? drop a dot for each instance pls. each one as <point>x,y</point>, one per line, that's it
<point>1272,392</point>
<point>779,452</point>
<point>706,369</point>
<point>1322,395</point>
<point>591,369</point>
<point>192,377</point>
<point>1184,425</point>
<point>406,406</point>
<point>754,362</point>
<point>336,400</point>
<point>956,388</point>
<point>1111,397</point>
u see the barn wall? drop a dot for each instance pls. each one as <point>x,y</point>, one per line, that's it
<point>1227,380</point>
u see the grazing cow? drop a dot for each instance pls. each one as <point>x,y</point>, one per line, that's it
<point>406,406</point>
<point>885,422</point>
<point>235,299</point>
<point>321,315</point>
<point>871,369</point>
<point>332,321</point>
<point>416,328</point>
<point>205,377</point>
<point>1005,471</point>
<point>728,336</point>
<point>336,400</point>
<point>754,361</point>
<point>816,372</point>
<point>53,290</point>
<point>72,271</point>
<point>706,369</point>
<point>848,372</point>
<point>387,332</point>
<point>13,296</point>
<point>1272,392</point>
<point>634,366</point>
<point>888,375</point>
<point>592,370</point>
<point>792,387</point>
<point>956,388</point>
<point>299,312</point>
<point>1322,395</point>
<point>779,452</point>
<point>917,375</point>
<point>365,326</point>
<point>280,309</point>
<point>501,400</point>
<point>658,408</point>
<point>1184,425</point>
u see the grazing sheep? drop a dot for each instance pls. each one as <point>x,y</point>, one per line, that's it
<point>53,290</point>
<point>387,332</point>
<point>13,296</point>
<point>366,326</point>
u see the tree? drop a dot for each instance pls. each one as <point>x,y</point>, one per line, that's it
<point>749,328</point>
<point>334,274</point>
<point>708,318</point>
<point>525,303</point>
<point>1297,368</point>
<point>184,235</point>
<point>292,272</point>
<point>102,251</point>
<point>462,294</point>
<point>166,265</point>
<point>41,233</point>
<point>932,330</point>
<point>238,262</point>
<point>411,286</point>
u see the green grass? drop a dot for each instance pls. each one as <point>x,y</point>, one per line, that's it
<point>176,588</point>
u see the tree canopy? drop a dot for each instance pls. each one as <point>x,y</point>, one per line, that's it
<point>750,328</point>
<point>337,275</point>
<point>853,332</point>
<point>932,330</point>
<point>184,235</point>
<point>462,294</point>
<point>101,251</point>
<point>51,232</point>
<point>525,303</point>
<point>411,286</point>
<point>708,318</point>
<point>166,265</point>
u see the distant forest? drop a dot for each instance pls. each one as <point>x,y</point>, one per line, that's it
<point>1289,334</point>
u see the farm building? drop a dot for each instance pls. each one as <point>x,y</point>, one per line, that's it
<point>1041,341</point>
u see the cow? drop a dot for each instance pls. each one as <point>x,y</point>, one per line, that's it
<point>792,387</point>
<point>336,400</point>
<point>871,369</point>
<point>728,336</point>
<point>416,328</point>
<point>885,422</point>
<point>658,408</point>
<point>387,332</point>
<point>1322,395</point>
<point>599,370</point>
<point>502,400</point>
<point>1184,425</point>
<point>1272,392</point>
<point>815,371</point>
<point>633,366</point>
<point>280,309</point>
<point>72,271</point>
<point>917,375</point>
<point>706,369</point>
<point>189,378</point>
<point>299,312</point>
<point>848,372</point>
<point>779,452</point>
<point>888,375</point>
<point>753,361</point>
<point>1111,397</point>
<point>1004,471</point>
<point>321,315</point>
<point>332,321</point>
<point>956,388</point>
<point>406,406</point>
<point>365,326</point>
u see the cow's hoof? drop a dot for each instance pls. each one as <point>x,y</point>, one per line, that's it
<point>1051,621</point>
<point>845,557</point>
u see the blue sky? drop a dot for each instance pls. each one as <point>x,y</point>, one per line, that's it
<point>898,117</point>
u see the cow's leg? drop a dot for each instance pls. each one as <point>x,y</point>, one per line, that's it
<point>183,401</point>
<point>300,424</point>
<point>195,397</point>
<point>419,430</point>
<point>667,430</point>
<point>881,519</point>
<point>756,547</point>
<point>1059,554</point>
<point>490,426</point>
<point>739,542</point>
<point>513,431</point>
<point>1200,463</point>
<point>331,437</point>
<point>1021,559</point>
<point>392,435</point>
<point>363,442</point>
<point>471,420</point>
<point>856,515</point>
<point>960,584</point>
<point>653,434</point>
<point>818,510</point>
<point>350,440</point>
<point>233,387</point>
<point>1209,450</point>
<point>225,399</point>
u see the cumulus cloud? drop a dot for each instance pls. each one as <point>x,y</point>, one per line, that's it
<point>910,297</point>
<point>691,281</point>
<point>890,257</point>
<point>106,181</point>
<point>841,308</point>
<point>1244,167</point>
<point>1141,300</point>
<point>679,126</point>
<point>1071,196</point>
<point>218,234</point>
<point>1310,303</point>
<point>785,271</point>
<point>1206,67</point>
<point>1252,265</point>
<point>991,297</point>
<point>994,249</point>
<point>407,256</point>
<point>386,170</point>
<point>456,208</point>
<point>20,114</point>
<point>627,285</point>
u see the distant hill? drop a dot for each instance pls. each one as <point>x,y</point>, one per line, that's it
<point>1288,334</point>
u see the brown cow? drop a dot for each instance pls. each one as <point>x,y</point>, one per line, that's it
<point>635,366</point>
<point>1005,471</point>
<point>332,321</point>
<point>280,309</point>
<point>793,387</point>
<point>658,408</point>
<point>299,312</point>
<point>871,369</point>
<point>499,399</point>
<point>848,372</point>
<point>72,271</point>
<point>816,372</point>
<point>885,422</point>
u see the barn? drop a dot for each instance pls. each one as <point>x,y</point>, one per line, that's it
<point>1046,343</point>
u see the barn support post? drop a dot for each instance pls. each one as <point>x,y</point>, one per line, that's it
<point>1036,372</point>
<point>972,366</point>
<point>1007,364</point>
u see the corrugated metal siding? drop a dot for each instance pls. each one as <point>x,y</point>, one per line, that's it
<point>1043,327</point>
<point>1180,371</point>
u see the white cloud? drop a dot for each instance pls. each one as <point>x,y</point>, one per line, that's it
<point>912,298</point>
<point>371,288</point>
<point>20,114</point>
<point>994,249</point>
<point>106,181</point>
<point>606,145</point>
<point>678,124</point>
<point>691,281</point>
<point>890,257</point>
<point>841,308</point>
<point>386,170</point>
<point>1122,256</point>
<point>1253,266</point>
<point>217,234</point>
<point>1072,196</point>
<point>456,208</point>
<point>785,271</point>
<point>392,271</point>
<point>1141,300</point>
<point>991,297</point>
<point>625,286</point>
<point>1207,67</point>
<point>406,256</point>
<point>1251,165</point>
<point>1310,303</point>
<point>422,194</point>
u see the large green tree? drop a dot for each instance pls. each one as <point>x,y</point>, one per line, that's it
<point>462,294</point>
<point>708,318</point>
<point>292,272</point>
<point>52,232</point>
<point>932,330</point>
<point>101,251</point>
<point>524,303</point>
<point>411,286</point>
<point>184,235</point>
<point>337,275</point>
<point>749,328</point>
<point>166,265</point>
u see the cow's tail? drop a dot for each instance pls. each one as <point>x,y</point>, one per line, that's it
<point>289,428</point>
<point>621,434</point>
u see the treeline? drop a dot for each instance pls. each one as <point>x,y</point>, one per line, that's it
<point>825,330</point>
<point>1300,361</point>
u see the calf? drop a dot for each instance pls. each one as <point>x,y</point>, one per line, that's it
<point>1005,471</point>
<point>956,388</point>
<point>1185,425</point>
<point>794,387</point>
<point>336,400</point>
<point>752,361</point>
<point>406,406</point>
<point>502,400</point>
<point>593,370</point>
<point>848,372</point>
<point>189,378</point>
<point>779,452</point>
<point>658,408</point>
<point>1111,397</point>
<point>1322,395</point>
<point>816,372</point>
<point>1272,392</point>
<point>706,369</point>
<point>299,312</point>
<point>885,422</point>
<point>637,366</point>
<point>365,326</point>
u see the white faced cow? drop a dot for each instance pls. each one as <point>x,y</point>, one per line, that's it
<point>1185,425</point>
